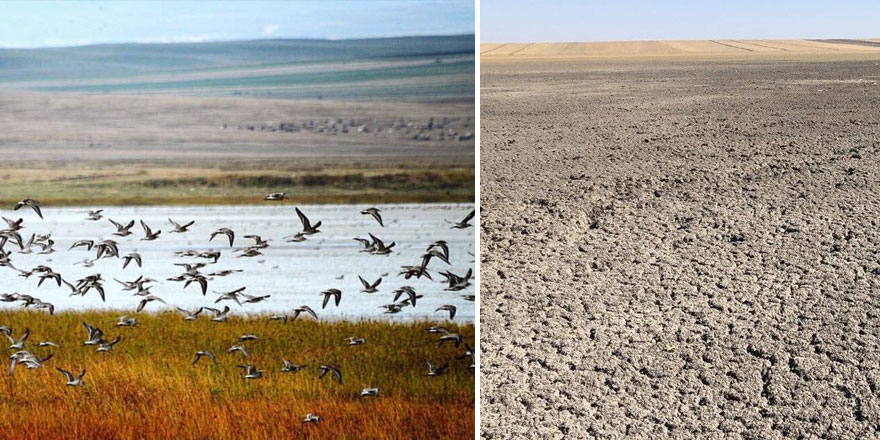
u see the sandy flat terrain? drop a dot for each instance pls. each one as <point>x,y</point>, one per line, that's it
<point>70,148</point>
<point>679,48</point>
<point>681,250</point>
<point>106,127</point>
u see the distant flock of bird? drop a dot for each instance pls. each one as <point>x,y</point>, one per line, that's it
<point>192,276</point>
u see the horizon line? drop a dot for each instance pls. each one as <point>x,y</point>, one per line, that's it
<point>199,40</point>
<point>681,39</point>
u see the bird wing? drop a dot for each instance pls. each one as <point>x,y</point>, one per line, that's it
<point>309,310</point>
<point>469,216</point>
<point>377,241</point>
<point>303,219</point>
<point>66,374</point>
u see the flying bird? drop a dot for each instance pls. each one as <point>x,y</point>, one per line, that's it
<point>308,228</point>
<point>375,213</point>
<point>226,231</point>
<point>465,223</point>
<point>178,227</point>
<point>447,308</point>
<point>149,235</point>
<point>73,381</point>
<point>134,256</point>
<point>35,205</point>
<point>200,354</point>
<point>122,231</point>
<point>337,373</point>
<point>335,293</point>
<point>368,287</point>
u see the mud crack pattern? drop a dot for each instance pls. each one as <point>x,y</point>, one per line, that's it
<point>680,250</point>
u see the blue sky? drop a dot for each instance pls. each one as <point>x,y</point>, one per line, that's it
<point>591,20</point>
<point>68,23</point>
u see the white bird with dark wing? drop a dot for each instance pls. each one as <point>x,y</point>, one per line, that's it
<point>73,381</point>
<point>106,347</point>
<point>370,392</point>
<point>336,372</point>
<point>251,372</point>
<point>312,418</point>
<point>204,353</point>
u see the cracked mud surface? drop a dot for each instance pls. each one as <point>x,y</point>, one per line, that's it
<point>680,250</point>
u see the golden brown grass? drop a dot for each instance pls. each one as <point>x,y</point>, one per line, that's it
<point>147,387</point>
<point>130,185</point>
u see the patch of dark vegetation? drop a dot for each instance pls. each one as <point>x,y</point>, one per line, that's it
<point>392,181</point>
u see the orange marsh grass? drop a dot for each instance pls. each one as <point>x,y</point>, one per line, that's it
<point>147,387</point>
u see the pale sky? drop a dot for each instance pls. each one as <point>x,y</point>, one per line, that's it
<point>522,21</point>
<point>70,23</point>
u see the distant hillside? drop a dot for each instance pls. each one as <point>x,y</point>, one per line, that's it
<point>677,48</point>
<point>440,67</point>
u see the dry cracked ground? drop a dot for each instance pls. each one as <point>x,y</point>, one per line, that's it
<point>680,249</point>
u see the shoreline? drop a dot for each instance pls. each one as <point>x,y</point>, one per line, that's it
<point>321,199</point>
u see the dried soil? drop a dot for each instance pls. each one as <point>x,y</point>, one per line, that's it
<point>680,249</point>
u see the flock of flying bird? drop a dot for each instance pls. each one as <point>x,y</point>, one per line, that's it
<point>108,248</point>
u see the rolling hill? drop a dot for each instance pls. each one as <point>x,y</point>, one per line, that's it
<point>411,68</point>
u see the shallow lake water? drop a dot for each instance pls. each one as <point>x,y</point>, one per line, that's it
<point>293,274</point>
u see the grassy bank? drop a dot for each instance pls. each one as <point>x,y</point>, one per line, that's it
<point>154,186</point>
<point>148,388</point>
